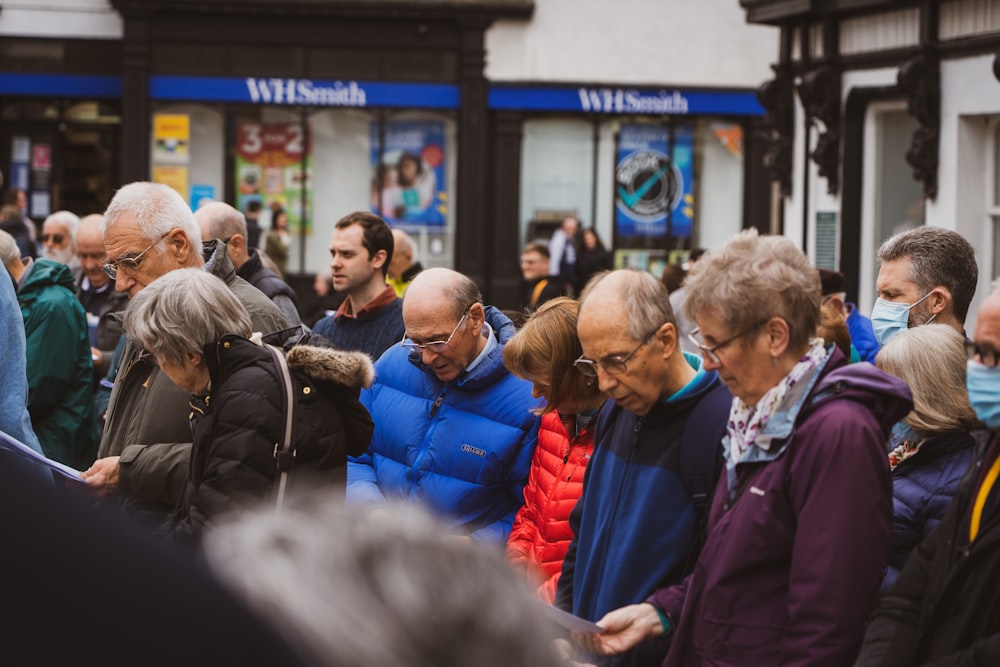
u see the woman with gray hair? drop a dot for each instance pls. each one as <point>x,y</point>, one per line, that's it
<point>932,448</point>
<point>198,333</point>
<point>800,523</point>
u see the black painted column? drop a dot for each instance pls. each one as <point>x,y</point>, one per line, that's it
<point>473,255</point>
<point>505,204</point>
<point>136,107</point>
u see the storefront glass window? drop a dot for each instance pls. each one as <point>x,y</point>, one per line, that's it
<point>899,197</point>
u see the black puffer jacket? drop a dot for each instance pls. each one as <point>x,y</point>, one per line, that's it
<point>237,423</point>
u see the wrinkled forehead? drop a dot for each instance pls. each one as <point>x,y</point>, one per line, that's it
<point>429,319</point>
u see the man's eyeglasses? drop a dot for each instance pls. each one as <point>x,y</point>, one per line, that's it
<point>55,238</point>
<point>129,264</point>
<point>711,353</point>
<point>984,353</point>
<point>436,346</point>
<point>612,365</point>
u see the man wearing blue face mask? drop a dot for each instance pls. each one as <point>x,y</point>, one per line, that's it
<point>928,274</point>
<point>942,609</point>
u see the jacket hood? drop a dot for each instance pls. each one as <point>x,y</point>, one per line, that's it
<point>887,396</point>
<point>351,369</point>
<point>217,260</point>
<point>44,272</point>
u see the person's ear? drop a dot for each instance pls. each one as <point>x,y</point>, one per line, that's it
<point>378,261</point>
<point>179,246</point>
<point>667,336</point>
<point>778,336</point>
<point>939,300</point>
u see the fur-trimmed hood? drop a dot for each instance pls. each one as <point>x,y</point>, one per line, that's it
<point>351,369</point>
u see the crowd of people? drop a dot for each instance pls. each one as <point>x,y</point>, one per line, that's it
<point>730,465</point>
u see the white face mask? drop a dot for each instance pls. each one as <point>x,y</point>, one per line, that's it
<point>889,318</point>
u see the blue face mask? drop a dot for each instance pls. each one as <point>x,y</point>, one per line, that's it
<point>889,318</point>
<point>983,383</point>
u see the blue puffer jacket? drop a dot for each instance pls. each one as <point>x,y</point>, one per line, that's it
<point>461,448</point>
<point>922,489</point>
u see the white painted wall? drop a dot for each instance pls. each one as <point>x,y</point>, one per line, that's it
<point>707,42</point>
<point>93,19</point>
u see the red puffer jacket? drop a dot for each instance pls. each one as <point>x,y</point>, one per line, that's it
<point>541,534</point>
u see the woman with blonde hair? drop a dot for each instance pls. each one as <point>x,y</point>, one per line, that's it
<point>800,522</point>
<point>543,352</point>
<point>931,449</point>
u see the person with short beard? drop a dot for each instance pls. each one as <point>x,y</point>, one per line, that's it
<point>58,240</point>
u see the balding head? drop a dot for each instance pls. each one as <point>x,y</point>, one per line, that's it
<point>402,254</point>
<point>442,305</point>
<point>90,249</point>
<point>219,220</point>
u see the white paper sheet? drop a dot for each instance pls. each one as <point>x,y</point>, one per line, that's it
<point>18,447</point>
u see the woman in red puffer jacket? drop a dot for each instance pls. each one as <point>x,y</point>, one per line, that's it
<point>543,352</point>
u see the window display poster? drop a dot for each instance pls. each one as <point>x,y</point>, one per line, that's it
<point>408,182</point>
<point>20,149</point>
<point>171,137</point>
<point>650,186</point>
<point>175,176</point>
<point>273,166</point>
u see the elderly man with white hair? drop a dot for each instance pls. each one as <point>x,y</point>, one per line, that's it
<point>58,239</point>
<point>146,445</point>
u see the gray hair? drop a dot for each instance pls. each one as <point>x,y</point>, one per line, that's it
<point>460,290</point>
<point>938,257</point>
<point>182,311</point>
<point>387,587</point>
<point>753,278</point>
<point>157,209</point>
<point>646,300</point>
<point>931,359</point>
<point>8,248</point>
<point>67,219</point>
<point>224,221</point>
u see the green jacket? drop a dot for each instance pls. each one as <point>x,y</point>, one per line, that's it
<point>147,416</point>
<point>60,368</point>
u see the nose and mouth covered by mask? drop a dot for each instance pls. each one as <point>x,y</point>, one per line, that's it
<point>889,318</point>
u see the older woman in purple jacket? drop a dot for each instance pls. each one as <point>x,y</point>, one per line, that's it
<point>799,525</point>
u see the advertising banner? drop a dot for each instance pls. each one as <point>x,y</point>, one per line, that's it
<point>274,166</point>
<point>653,187</point>
<point>171,138</point>
<point>408,182</point>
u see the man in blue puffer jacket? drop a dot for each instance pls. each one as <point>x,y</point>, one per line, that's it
<point>453,428</point>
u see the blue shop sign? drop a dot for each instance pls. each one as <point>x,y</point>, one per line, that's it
<point>307,92</point>
<point>631,101</point>
<point>60,85</point>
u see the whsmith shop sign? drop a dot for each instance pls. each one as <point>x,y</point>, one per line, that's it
<point>306,92</point>
<point>631,101</point>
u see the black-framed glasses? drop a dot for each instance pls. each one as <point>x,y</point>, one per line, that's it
<point>613,364</point>
<point>711,353</point>
<point>984,353</point>
<point>436,346</point>
<point>129,264</point>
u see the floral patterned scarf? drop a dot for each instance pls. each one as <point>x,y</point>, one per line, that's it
<point>746,421</point>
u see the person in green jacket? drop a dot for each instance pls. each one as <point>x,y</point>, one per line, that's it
<point>59,364</point>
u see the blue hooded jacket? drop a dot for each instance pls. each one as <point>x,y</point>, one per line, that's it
<point>462,448</point>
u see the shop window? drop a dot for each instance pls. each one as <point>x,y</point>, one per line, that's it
<point>993,205</point>
<point>899,197</point>
<point>187,150</point>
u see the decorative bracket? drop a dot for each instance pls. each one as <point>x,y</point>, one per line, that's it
<point>920,79</point>
<point>819,90</point>
<point>777,96</point>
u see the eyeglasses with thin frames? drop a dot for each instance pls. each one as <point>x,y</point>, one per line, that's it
<point>129,264</point>
<point>612,365</point>
<point>711,353</point>
<point>984,353</point>
<point>435,346</point>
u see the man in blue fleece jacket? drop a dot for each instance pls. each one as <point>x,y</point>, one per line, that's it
<point>636,525</point>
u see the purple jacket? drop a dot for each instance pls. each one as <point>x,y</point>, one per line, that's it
<point>798,535</point>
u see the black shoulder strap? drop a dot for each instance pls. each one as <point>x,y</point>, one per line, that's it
<point>701,452</point>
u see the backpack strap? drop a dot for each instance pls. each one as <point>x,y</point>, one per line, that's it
<point>284,453</point>
<point>537,292</point>
<point>701,453</point>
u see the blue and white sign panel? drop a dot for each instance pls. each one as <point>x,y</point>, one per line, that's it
<point>60,85</point>
<point>306,92</point>
<point>650,185</point>
<point>632,101</point>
